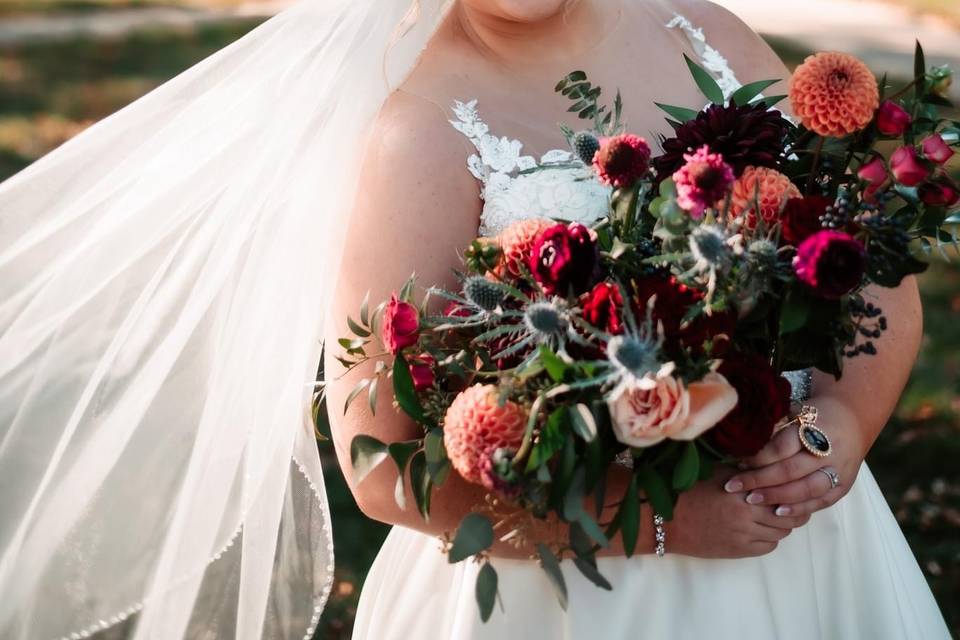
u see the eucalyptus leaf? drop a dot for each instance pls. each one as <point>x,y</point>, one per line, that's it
<point>591,573</point>
<point>475,534</point>
<point>629,516</point>
<point>365,310</point>
<point>584,424</point>
<point>399,493</point>
<point>401,452</point>
<point>421,484</point>
<point>486,590</point>
<point>356,391</point>
<point>687,471</point>
<point>404,391</point>
<point>551,440</point>
<point>658,494</point>
<point>551,566</point>
<point>555,367</point>
<point>372,395</point>
<point>366,452</point>
<point>356,328</point>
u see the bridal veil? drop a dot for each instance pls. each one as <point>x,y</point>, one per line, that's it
<point>163,281</point>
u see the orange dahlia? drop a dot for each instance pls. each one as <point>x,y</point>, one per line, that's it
<point>834,94</point>
<point>476,425</point>
<point>516,242</point>
<point>770,188</point>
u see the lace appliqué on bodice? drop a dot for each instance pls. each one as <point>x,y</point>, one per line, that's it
<point>516,187</point>
<point>710,58</point>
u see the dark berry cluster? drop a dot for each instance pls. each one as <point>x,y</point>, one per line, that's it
<point>870,323</point>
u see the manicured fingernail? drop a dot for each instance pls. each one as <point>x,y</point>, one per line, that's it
<point>783,511</point>
<point>733,485</point>
<point>755,498</point>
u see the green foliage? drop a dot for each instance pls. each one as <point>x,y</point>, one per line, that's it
<point>486,590</point>
<point>474,535</point>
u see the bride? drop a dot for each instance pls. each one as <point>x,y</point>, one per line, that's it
<point>167,278</point>
<point>756,554</point>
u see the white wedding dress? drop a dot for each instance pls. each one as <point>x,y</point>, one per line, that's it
<point>848,574</point>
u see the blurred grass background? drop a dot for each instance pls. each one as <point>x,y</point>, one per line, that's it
<point>52,89</point>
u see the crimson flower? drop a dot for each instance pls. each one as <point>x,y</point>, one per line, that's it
<point>830,263</point>
<point>401,325</point>
<point>565,256</point>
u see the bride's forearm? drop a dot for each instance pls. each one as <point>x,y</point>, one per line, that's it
<point>867,394</point>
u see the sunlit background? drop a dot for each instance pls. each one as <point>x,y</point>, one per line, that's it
<point>66,63</point>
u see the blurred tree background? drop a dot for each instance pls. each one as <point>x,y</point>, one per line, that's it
<point>64,64</point>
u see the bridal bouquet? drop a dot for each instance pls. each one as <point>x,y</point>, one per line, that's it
<point>655,338</point>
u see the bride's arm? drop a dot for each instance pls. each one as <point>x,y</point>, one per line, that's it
<point>852,411</point>
<point>417,206</point>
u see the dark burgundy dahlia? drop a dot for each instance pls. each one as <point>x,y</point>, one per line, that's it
<point>745,136</point>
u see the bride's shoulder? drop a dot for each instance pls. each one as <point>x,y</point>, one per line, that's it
<point>749,54</point>
<point>415,132</point>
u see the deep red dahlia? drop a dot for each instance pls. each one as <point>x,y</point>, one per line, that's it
<point>749,135</point>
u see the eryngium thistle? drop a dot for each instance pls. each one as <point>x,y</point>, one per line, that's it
<point>546,321</point>
<point>749,135</point>
<point>634,354</point>
<point>482,293</point>
<point>586,146</point>
<point>708,244</point>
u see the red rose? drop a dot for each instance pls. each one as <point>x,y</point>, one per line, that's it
<point>401,325</point>
<point>907,167</point>
<point>936,149</point>
<point>942,192</point>
<point>874,174</point>
<point>603,308</point>
<point>421,370</point>
<point>801,218</point>
<point>892,119</point>
<point>565,256</point>
<point>763,400</point>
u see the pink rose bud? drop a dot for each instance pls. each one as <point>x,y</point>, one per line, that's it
<point>421,370</point>
<point>892,119</point>
<point>939,193</point>
<point>936,149</point>
<point>874,173</point>
<point>907,167</point>
<point>401,325</point>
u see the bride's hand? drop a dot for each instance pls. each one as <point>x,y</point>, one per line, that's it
<point>712,523</point>
<point>787,479</point>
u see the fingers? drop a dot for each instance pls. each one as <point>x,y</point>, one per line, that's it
<point>814,485</point>
<point>776,474</point>
<point>767,517</point>
<point>785,443</point>
<point>763,533</point>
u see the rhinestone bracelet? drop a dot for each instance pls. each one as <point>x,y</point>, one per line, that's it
<point>661,535</point>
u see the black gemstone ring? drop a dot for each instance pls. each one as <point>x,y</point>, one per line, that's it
<point>814,440</point>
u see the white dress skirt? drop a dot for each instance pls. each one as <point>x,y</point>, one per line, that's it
<point>847,575</point>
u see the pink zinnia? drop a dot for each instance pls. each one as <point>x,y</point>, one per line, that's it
<point>704,180</point>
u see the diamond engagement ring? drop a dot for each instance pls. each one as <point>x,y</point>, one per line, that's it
<point>833,475</point>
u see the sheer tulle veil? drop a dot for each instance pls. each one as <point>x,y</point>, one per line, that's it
<point>163,285</point>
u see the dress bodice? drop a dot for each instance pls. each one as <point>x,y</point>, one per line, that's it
<point>559,185</point>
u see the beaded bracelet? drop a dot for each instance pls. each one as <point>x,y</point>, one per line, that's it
<point>661,535</point>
